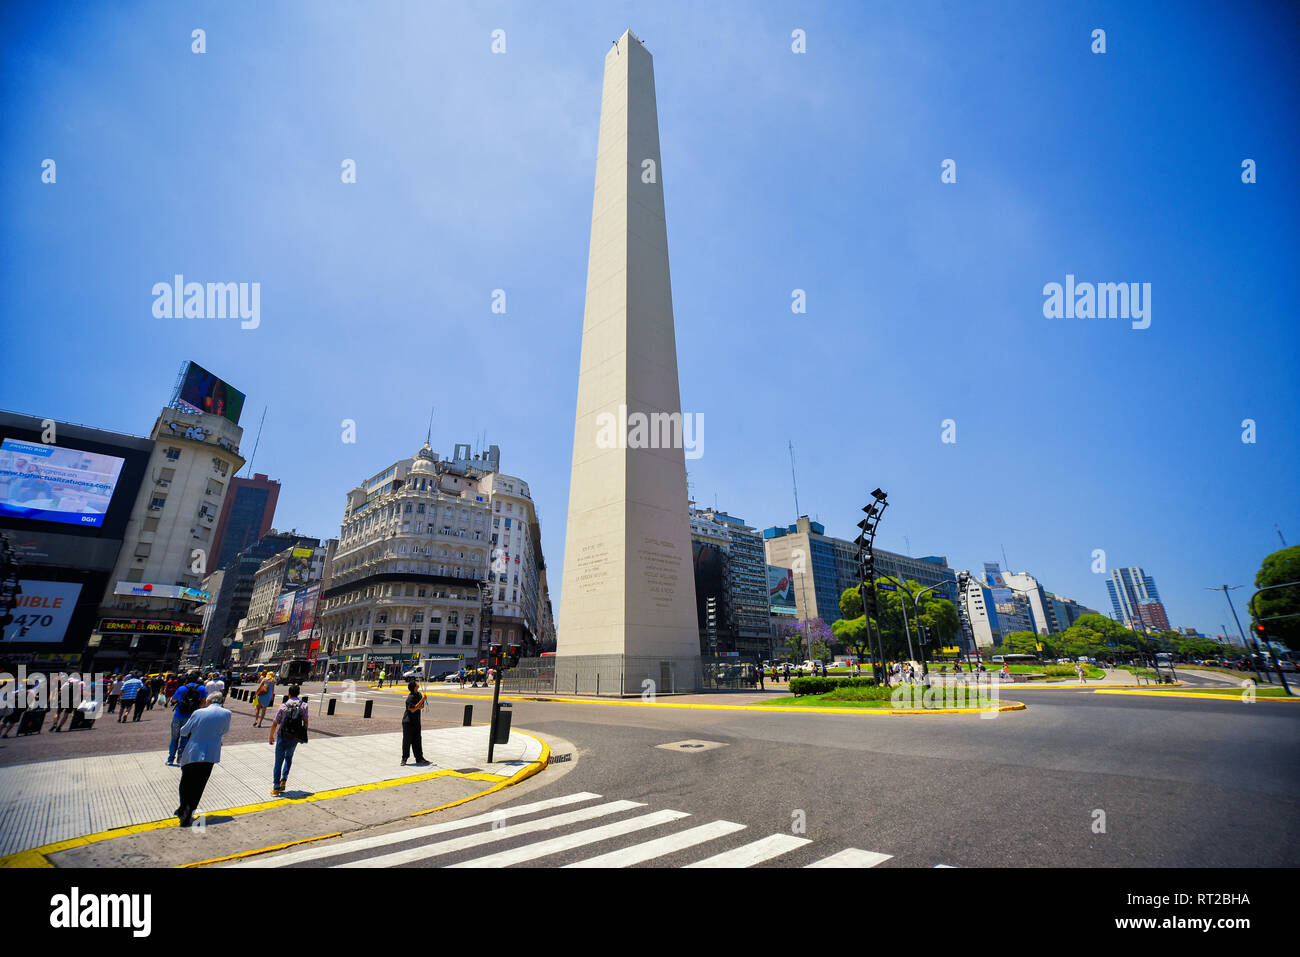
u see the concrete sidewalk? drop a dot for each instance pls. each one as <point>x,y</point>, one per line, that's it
<point>52,801</point>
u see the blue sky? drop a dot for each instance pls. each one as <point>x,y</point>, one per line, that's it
<point>817,171</point>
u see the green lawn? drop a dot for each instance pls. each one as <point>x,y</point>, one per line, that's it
<point>856,698</point>
<point>1260,692</point>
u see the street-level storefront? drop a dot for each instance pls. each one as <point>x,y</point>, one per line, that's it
<point>140,644</point>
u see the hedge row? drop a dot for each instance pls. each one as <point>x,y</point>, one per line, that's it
<point>820,685</point>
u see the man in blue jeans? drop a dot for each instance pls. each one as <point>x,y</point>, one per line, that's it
<point>183,709</point>
<point>288,730</point>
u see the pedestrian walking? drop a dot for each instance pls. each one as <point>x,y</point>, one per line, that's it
<point>65,695</point>
<point>141,698</point>
<point>265,695</point>
<point>462,677</point>
<point>288,730</point>
<point>169,689</point>
<point>202,734</point>
<point>215,685</point>
<point>114,692</point>
<point>760,677</point>
<point>383,674</point>
<point>188,699</point>
<point>131,689</point>
<point>155,689</point>
<point>411,724</point>
<point>1078,670</point>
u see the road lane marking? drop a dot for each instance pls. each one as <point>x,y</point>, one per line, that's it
<point>487,837</point>
<point>852,857</point>
<point>396,837</point>
<point>756,852</point>
<point>530,852</point>
<point>639,853</point>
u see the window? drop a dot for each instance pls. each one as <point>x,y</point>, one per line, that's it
<point>215,488</point>
<point>151,524</point>
<point>467,637</point>
<point>415,636</point>
<point>157,502</point>
<point>142,550</point>
<point>173,454</point>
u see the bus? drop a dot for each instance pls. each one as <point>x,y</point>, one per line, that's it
<point>295,671</point>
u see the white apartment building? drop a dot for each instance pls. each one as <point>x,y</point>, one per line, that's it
<point>425,547</point>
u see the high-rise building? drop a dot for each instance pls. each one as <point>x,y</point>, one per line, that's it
<point>283,604</point>
<point>153,600</point>
<point>747,586</point>
<point>1128,588</point>
<point>246,517</point>
<point>426,548</point>
<point>628,609</point>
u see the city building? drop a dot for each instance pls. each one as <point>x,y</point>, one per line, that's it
<point>282,605</point>
<point>1128,588</point>
<point>978,614</point>
<point>246,517</point>
<point>747,617</point>
<point>231,589</point>
<point>152,603</point>
<point>66,496</point>
<point>434,557</point>
<point>824,567</point>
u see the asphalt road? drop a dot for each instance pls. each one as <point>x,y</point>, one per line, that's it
<point>1175,782</point>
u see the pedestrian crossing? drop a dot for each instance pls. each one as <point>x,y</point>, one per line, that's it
<point>582,822</point>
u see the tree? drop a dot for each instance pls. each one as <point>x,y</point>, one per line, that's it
<point>1097,635</point>
<point>1280,568</point>
<point>820,651</point>
<point>1021,643</point>
<point>853,634</point>
<point>804,634</point>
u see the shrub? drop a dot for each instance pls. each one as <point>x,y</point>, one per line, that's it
<point>819,685</point>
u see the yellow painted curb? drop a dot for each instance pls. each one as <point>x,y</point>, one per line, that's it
<point>37,856</point>
<point>1193,694</point>
<point>752,708</point>
<point>1097,687</point>
<point>521,775</point>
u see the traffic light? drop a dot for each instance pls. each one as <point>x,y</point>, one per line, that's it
<point>514,656</point>
<point>1258,630</point>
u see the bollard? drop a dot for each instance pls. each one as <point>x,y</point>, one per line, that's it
<point>469,715</point>
<point>370,706</point>
<point>502,735</point>
<point>333,702</point>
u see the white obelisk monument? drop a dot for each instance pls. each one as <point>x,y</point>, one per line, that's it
<point>627,608</point>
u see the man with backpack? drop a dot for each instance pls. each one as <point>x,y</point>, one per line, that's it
<point>291,723</point>
<point>187,699</point>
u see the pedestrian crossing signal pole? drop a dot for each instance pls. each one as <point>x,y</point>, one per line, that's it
<point>495,661</point>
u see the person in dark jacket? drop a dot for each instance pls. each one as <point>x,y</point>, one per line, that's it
<point>411,724</point>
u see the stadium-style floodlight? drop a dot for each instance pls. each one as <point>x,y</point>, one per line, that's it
<point>878,495</point>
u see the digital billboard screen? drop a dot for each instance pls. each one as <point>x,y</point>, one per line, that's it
<point>283,608</point>
<point>43,611</point>
<point>202,390</point>
<point>54,484</point>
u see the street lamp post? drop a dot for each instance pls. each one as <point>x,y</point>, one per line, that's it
<point>866,572</point>
<point>1253,663</point>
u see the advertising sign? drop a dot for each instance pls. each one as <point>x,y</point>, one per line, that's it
<point>43,611</point>
<point>303,617</point>
<point>52,484</point>
<point>204,392</point>
<point>298,569</point>
<point>283,608</point>
<point>780,588</point>
<point>148,590</point>
<point>118,625</point>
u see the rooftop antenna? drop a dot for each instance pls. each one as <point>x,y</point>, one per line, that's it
<point>907,543</point>
<point>795,483</point>
<point>428,435</point>
<point>256,442</point>
<point>1279,534</point>
<point>1006,565</point>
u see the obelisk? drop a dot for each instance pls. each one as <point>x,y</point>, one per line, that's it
<point>627,609</point>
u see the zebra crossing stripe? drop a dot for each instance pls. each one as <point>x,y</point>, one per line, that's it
<point>396,837</point>
<point>530,852</point>
<point>755,852</point>
<point>659,847</point>
<point>414,854</point>
<point>852,857</point>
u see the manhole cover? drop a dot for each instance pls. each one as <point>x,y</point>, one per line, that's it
<point>692,746</point>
